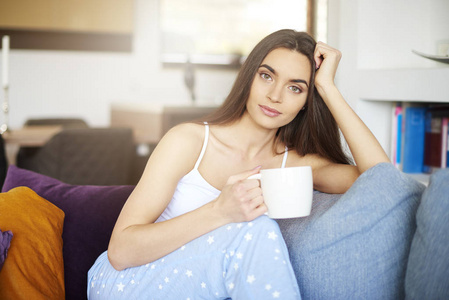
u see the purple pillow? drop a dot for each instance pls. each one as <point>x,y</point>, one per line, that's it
<point>5,241</point>
<point>90,215</point>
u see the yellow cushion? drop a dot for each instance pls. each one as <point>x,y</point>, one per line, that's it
<point>34,267</point>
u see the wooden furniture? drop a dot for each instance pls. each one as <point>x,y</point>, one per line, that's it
<point>31,136</point>
<point>77,25</point>
<point>151,121</point>
<point>27,136</point>
<point>68,15</point>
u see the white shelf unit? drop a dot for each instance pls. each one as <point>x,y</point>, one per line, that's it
<point>380,90</point>
<point>378,67</point>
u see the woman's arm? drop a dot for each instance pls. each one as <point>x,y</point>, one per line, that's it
<point>137,240</point>
<point>364,147</point>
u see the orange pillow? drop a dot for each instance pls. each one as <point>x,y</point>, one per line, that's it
<point>34,268</point>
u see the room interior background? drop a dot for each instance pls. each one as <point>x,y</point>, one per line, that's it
<point>378,67</point>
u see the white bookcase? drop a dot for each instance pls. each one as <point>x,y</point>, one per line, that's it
<point>412,86</point>
<point>378,67</point>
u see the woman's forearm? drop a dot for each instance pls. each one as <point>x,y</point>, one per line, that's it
<point>364,147</point>
<point>140,244</point>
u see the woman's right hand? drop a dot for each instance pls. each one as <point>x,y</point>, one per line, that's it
<point>241,199</point>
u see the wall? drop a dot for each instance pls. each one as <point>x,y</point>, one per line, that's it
<point>84,84</point>
<point>378,67</point>
<point>389,30</point>
<point>51,83</point>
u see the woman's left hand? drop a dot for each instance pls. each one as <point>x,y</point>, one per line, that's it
<point>326,59</point>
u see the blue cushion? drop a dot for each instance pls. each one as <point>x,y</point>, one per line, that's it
<point>356,245</point>
<point>428,266</point>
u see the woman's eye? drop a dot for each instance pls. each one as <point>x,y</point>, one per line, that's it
<point>295,89</point>
<point>265,76</point>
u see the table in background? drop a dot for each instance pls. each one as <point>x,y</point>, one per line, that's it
<point>27,136</point>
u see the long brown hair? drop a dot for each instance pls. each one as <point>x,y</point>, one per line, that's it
<point>314,129</point>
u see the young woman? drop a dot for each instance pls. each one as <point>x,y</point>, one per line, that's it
<point>194,227</point>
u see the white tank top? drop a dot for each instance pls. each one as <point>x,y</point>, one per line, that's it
<point>193,191</point>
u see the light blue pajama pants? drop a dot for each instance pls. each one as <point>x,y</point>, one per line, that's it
<point>237,261</point>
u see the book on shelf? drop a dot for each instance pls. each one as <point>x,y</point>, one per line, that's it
<point>414,139</point>
<point>435,149</point>
<point>396,135</point>
<point>419,137</point>
<point>445,143</point>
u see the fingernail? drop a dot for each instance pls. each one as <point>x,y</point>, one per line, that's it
<point>259,166</point>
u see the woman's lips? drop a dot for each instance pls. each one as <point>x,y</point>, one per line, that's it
<point>268,111</point>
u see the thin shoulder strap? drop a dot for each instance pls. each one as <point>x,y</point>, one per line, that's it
<point>284,160</point>
<point>203,150</point>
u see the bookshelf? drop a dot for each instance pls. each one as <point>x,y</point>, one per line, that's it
<point>379,117</point>
<point>378,67</point>
<point>381,90</point>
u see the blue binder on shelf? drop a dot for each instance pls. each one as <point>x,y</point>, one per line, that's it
<point>413,152</point>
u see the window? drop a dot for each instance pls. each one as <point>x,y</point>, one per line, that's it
<point>221,32</point>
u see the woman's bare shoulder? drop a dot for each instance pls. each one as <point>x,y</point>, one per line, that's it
<point>186,131</point>
<point>176,152</point>
<point>182,142</point>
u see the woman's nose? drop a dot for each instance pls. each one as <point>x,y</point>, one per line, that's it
<point>275,94</point>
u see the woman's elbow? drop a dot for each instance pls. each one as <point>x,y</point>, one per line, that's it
<point>116,258</point>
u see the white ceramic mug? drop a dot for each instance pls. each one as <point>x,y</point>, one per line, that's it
<point>287,192</point>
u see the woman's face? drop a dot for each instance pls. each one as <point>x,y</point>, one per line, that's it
<point>279,89</point>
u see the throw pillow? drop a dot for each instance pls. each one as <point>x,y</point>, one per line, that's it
<point>428,264</point>
<point>5,241</point>
<point>34,268</point>
<point>356,245</point>
<point>90,216</point>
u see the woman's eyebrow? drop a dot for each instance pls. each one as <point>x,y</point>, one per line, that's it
<point>269,68</point>
<point>300,81</point>
<point>274,72</point>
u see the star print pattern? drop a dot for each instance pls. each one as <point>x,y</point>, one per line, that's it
<point>250,279</point>
<point>120,287</point>
<point>210,240</point>
<point>272,235</point>
<point>161,277</point>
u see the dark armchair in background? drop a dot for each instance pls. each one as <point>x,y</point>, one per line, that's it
<point>25,153</point>
<point>84,156</point>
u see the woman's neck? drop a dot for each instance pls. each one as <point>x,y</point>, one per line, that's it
<point>248,138</point>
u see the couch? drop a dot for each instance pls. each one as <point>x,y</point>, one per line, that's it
<point>376,241</point>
